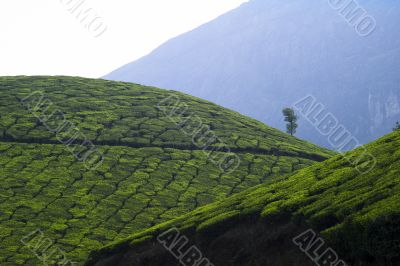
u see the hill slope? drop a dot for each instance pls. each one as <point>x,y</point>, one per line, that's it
<point>268,54</point>
<point>150,170</point>
<point>357,214</point>
<point>117,113</point>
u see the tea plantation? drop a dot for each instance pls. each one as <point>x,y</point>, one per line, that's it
<point>117,113</point>
<point>151,172</point>
<point>358,214</point>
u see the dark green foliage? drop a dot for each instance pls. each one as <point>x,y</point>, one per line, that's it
<point>357,213</point>
<point>382,237</point>
<point>151,171</point>
<point>291,119</point>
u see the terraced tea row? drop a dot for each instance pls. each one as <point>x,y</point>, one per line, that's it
<point>359,214</point>
<point>42,186</point>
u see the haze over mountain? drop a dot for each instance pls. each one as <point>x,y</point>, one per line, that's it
<point>266,55</point>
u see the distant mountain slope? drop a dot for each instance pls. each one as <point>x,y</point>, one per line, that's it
<point>357,214</point>
<point>267,54</point>
<point>151,170</point>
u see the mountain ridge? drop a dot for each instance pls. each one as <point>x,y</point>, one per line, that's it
<point>282,52</point>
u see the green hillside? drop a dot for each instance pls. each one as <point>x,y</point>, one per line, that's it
<point>357,214</point>
<point>151,171</point>
<point>117,113</point>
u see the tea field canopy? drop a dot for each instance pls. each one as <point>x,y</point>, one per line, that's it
<point>358,214</point>
<point>126,114</point>
<point>151,172</point>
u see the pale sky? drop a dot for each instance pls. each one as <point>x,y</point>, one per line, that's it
<point>41,37</point>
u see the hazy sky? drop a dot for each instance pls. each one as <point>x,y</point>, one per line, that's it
<point>45,37</point>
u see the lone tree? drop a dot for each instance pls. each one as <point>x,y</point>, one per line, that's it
<point>397,126</point>
<point>291,118</point>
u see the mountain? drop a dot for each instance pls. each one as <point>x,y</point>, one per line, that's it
<point>85,162</point>
<point>356,216</point>
<point>268,54</point>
